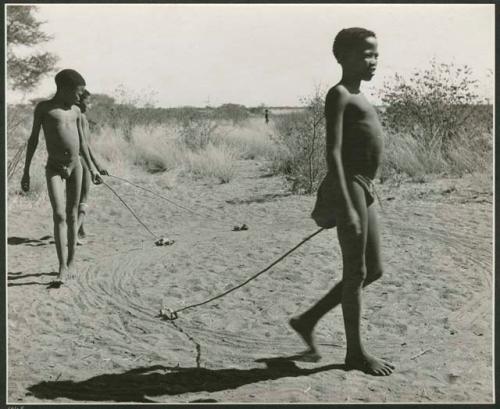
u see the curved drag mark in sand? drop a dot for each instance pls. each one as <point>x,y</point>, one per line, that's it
<point>132,287</point>
<point>438,262</point>
<point>463,237</point>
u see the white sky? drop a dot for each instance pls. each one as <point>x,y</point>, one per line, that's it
<point>253,54</point>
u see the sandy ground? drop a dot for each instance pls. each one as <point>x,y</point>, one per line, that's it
<point>98,338</point>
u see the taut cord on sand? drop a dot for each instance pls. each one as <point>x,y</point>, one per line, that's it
<point>174,313</point>
<point>243,227</point>
<point>157,194</point>
<point>130,209</point>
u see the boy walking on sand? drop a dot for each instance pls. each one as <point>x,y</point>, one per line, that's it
<point>62,127</point>
<point>345,197</point>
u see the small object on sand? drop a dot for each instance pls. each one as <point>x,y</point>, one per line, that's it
<point>54,284</point>
<point>240,228</point>
<point>163,241</point>
<point>168,314</point>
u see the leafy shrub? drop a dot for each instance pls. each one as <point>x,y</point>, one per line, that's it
<point>436,106</point>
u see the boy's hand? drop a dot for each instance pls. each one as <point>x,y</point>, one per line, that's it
<point>25,182</point>
<point>96,178</point>
<point>103,172</point>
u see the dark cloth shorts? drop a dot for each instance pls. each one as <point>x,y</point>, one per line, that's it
<point>324,209</point>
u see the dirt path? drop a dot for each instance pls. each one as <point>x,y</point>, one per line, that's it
<point>98,338</point>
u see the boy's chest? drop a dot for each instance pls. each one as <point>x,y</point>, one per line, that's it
<point>61,118</point>
<point>359,109</point>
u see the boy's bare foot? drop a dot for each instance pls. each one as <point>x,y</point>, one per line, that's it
<point>307,356</point>
<point>71,271</point>
<point>369,365</point>
<point>305,332</point>
<point>63,273</point>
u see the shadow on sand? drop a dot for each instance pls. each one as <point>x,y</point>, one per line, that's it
<point>139,384</point>
<point>15,241</point>
<point>19,276</point>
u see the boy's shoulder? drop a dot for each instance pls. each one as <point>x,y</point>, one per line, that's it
<point>337,94</point>
<point>338,90</point>
<point>43,105</point>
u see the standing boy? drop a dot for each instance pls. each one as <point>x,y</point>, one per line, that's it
<point>84,105</point>
<point>345,197</point>
<point>61,123</point>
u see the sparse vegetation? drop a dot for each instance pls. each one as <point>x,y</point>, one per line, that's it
<point>434,125</point>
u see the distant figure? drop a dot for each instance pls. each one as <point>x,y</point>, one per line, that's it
<point>62,126</point>
<point>266,114</point>
<point>84,105</point>
<point>346,195</point>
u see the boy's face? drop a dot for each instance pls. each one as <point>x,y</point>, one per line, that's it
<point>362,61</point>
<point>87,101</point>
<point>72,94</point>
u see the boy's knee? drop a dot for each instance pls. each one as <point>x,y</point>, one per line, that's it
<point>59,217</point>
<point>355,276</point>
<point>72,215</point>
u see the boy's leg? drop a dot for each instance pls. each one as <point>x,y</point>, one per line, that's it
<point>55,187</point>
<point>354,270</point>
<point>73,189</point>
<point>355,248</point>
<point>374,268</point>
<point>82,207</point>
<point>304,324</point>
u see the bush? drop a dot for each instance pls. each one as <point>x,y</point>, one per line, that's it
<point>253,141</point>
<point>439,108</point>
<point>213,161</point>
<point>196,129</point>
<point>233,112</point>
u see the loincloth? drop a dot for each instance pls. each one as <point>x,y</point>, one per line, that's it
<point>63,169</point>
<point>324,209</point>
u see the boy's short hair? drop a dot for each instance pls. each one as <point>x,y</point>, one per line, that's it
<point>348,39</point>
<point>69,78</point>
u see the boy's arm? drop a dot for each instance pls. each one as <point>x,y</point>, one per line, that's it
<point>32,144</point>
<point>335,104</point>
<point>84,150</point>
<point>100,169</point>
<point>85,128</point>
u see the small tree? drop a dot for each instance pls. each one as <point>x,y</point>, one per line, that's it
<point>304,136</point>
<point>23,30</point>
<point>196,128</point>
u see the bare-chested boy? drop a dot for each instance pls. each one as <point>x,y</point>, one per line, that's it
<point>84,105</point>
<point>345,197</point>
<point>61,123</point>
